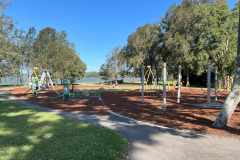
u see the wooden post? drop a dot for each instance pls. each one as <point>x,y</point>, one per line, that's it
<point>219,85</point>
<point>168,85</point>
<point>227,83</point>
<point>181,86</point>
<point>173,87</point>
<point>231,82</point>
<point>187,84</point>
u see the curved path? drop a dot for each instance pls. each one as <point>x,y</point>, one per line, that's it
<point>154,142</point>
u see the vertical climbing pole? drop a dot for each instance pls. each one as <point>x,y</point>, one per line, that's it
<point>142,83</point>
<point>179,83</point>
<point>208,83</point>
<point>164,87</point>
<point>216,82</point>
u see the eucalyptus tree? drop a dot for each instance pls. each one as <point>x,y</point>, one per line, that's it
<point>143,47</point>
<point>217,34</point>
<point>234,96</point>
<point>6,28</point>
<point>181,37</point>
<point>105,72</point>
<point>16,56</point>
<point>54,52</point>
<point>114,63</point>
<point>45,48</point>
<point>29,41</point>
<point>77,68</point>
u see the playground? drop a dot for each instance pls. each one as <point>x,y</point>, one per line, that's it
<point>191,114</point>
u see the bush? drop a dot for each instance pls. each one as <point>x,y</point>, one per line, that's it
<point>118,81</point>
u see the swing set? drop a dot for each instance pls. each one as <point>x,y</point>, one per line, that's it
<point>35,85</point>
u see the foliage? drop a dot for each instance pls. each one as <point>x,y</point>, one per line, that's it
<point>113,65</point>
<point>189,34</point>
<point>92,74</point>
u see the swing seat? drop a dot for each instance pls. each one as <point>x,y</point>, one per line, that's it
<point>43,88</point>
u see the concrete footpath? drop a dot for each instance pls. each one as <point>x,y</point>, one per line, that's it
<point>153,142</point>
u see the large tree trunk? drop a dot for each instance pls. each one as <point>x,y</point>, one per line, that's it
<point>234,96</point>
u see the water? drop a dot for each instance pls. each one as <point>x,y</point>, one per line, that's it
<point>15,80</point>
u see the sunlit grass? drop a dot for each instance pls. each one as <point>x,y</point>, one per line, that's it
<point>26,133</point>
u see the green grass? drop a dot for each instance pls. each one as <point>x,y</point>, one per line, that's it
<point>2,87</point>
<point>96,92</point>
<point>26,133</point>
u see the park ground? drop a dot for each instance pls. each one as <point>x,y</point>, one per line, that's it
<point>191,114</point>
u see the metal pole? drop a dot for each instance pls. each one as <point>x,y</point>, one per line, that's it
<point>216,82</point>
<point>208,83</point>
<point>179,79</point>
<point>142,83</point>
<point>164,87</point>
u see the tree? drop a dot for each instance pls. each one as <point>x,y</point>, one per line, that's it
<point>104,72</point>
<point>6,28</point>
<point>233,98</point>
<point>217,30</point>
<point>143,47</point>
<point>29,48</point>
<point>45,48</point>
<point>113,65</point>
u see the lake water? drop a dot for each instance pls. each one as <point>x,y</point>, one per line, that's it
<point>14,80</point>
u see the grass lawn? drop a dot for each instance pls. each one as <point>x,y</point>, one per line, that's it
<point>27,133</point>
<point>96,92</point>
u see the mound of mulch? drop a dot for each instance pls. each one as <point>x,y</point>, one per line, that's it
<point>183,116</point>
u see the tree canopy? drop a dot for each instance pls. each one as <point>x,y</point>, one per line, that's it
<point>189,34</point>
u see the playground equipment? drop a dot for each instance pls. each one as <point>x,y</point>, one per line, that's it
<point>149,77</point>
<point>43,77</point>
<point>66,93</point>
<point>30,76</point>
<point>164,83</point>
<point>164,86</point>
<point>179,83</point>
<point>35,84</point>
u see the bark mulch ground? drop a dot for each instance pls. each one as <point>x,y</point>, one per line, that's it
<point>184,116</point>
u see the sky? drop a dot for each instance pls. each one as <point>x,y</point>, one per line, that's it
<point>94,26</point>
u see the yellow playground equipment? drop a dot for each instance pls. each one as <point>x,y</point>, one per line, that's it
<point>148,73</point>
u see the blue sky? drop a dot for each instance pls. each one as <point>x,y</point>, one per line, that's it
<point>95,26</point>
